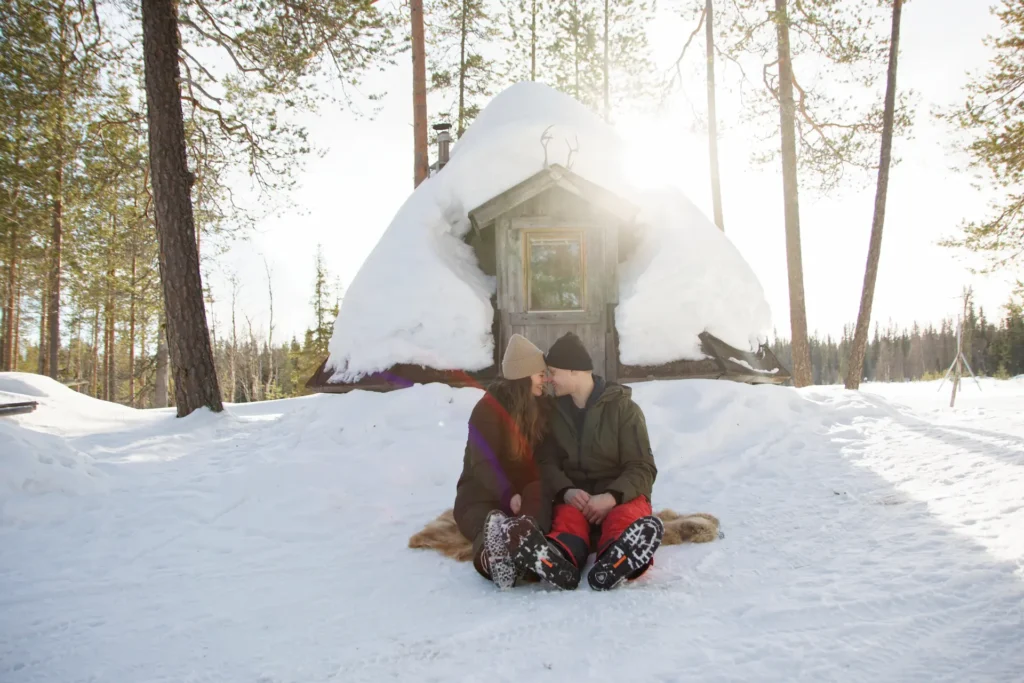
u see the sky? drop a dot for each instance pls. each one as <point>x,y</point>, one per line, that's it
<point>347,197</point>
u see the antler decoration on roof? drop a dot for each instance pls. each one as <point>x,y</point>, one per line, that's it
<point>545,138</point>
<point>572,150</point>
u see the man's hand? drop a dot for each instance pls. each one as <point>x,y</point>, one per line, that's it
<point>516,503</point>
<point>578,498</point>
<point>598,507</point>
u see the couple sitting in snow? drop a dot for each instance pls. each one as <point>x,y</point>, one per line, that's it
<point>546,481</point>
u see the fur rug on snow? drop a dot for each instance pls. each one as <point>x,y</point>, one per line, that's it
<point>444,536</point>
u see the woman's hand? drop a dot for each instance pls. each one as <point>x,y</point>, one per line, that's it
<point>516,503</point>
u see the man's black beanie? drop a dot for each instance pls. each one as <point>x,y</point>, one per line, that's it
<point>568,353</point>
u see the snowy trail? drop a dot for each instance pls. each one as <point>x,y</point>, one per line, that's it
<point>869,537</point>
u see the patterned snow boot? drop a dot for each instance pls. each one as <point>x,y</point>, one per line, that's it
<point>495,557</point>
<point>628,554</point>
<point>532,552</point>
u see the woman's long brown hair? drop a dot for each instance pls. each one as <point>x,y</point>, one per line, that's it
<point>527,417</point>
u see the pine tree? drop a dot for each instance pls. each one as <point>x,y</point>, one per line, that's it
<point>822,135</point>
<point>993,119</point>
<point>574,53</point>
<point>627,68</point>
<point>878,220</point>
<point>524,33</point>
<point>460,30</point>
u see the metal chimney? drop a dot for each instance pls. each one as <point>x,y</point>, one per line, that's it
<point>444,141</point>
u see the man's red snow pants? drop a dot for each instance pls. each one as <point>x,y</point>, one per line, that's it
<point>573,533</point>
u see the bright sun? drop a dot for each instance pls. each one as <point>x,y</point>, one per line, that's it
<point>660,154</point>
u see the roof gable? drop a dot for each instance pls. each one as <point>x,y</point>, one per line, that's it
<point>551,176</point>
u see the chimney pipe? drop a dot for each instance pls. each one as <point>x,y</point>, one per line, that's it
<point>444,140</point>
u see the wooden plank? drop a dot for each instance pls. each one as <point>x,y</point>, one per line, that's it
<point>549,223</point>
<point>593,260</point>
<point>592,337</point>
<point>553,176</point>
<point>490,210</point>
<point>556,318</point>
<point>501,264</point>
<point>611,259</point>
<point>504,334</point>
<point>514,267</point>
<point>611,358</point>
<point>653,378</point>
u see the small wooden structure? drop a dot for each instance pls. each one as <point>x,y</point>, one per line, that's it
<point>554,243</point>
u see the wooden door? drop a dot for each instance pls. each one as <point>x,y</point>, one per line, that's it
<point>553,278</point>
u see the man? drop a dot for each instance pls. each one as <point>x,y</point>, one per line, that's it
<point>603,472</point>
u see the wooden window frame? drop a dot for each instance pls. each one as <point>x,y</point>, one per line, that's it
<point>566,231</point>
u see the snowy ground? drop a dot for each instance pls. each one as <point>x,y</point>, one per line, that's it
<point>874,536</point>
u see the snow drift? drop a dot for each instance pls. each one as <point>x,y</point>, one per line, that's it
<point>865,541</point>
<point>420,297</point>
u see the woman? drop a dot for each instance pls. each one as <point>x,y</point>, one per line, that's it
<point>499,496</point>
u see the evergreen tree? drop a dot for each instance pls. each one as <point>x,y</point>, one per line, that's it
<point>993,119</point>
<point>525,33</point>
<point>459,32</point>
<point>574,53</point>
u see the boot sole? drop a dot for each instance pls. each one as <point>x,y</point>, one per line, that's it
<point>632,551</point>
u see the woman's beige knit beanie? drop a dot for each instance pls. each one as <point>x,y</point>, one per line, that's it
<point>522,358</point>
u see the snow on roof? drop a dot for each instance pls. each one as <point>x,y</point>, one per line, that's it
<point>420,297</point>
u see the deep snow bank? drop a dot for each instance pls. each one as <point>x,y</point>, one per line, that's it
<point>420,297</point>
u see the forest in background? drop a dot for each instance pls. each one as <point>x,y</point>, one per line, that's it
<point>82,295</point>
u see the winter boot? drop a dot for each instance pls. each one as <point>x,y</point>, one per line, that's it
<point>628,554</point>
<point>495,553</point>
<point>532,552</point>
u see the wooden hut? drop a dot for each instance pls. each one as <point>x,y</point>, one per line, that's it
<point>554,243</point>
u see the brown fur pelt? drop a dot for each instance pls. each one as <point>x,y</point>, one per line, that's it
<point>699,527</point>
<point>444,536</point>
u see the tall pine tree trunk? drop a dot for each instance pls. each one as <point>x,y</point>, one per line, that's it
<point>787,110</point>
<point>195,377</point>
<point>55,260</point>
<point>108,340</point>
<point>96,353</point>
<point>144,350</point>
<point>9,362</point>
<point>607,70</point>
<point>17,328</point>
<point>43,355</point>
<point>131,335</point>
<point>81,349</point>
<point>533,41</point>
<point>462,70</point>
<point>234,342</point>
<point>57,239</point>
<point>716,183</point>
<point>860,338</point>
<point>161,380</point>
<point>270,335</point>
<point>421,163</point>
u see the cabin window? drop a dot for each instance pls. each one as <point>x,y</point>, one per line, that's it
<point>555,270</point>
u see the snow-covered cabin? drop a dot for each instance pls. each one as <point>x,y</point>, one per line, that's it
<point>531,227</point>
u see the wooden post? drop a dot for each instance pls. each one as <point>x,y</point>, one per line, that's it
<point>421,165</point>
<point>957,369</point>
